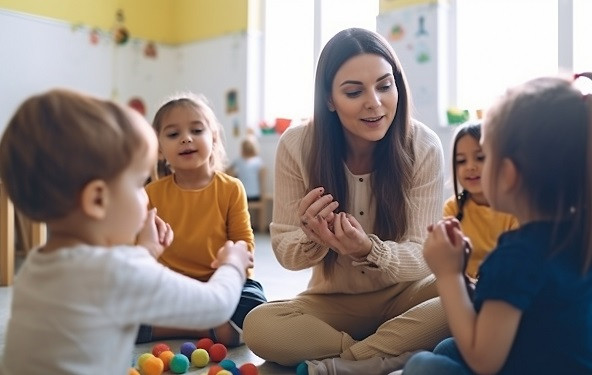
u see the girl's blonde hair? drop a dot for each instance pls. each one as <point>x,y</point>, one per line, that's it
<point>198,102</point>
<point>543,127</point>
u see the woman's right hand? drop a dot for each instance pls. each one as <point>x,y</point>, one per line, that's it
<point>316,213</point>
<point>233,253</point>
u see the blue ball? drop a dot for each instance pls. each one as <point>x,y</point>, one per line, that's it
<point>187,348</point>
<point>227,364</point>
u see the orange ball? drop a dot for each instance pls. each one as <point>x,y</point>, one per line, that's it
<point>214,369</point>
<point>159,348</point>
<point>143,357</point>
<point>217,352</point>
<point>166,357</point>
<point>133,371</point>
<point>152,366</point>
<point>249,369</point>
<point>205,343</point>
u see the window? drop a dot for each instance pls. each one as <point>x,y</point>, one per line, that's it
<point>582,36</point>
<point>295,32</point>
<point>501,43</point>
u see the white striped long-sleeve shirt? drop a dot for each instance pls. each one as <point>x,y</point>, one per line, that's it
<point>77,310</point>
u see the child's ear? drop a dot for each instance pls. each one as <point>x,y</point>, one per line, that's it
<point>509,177</point>
<point>94,199</point>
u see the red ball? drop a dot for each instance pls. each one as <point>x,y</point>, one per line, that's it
<point>205,343</point>
<point>214,369</point>
<point>217,352</point>
<point>249,369</point>
<point>159,348</point>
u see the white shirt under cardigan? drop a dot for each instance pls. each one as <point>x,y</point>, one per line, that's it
<point>388,262</point>
<point>77,310</point>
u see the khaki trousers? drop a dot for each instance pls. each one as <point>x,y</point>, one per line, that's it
<point>402,318</point>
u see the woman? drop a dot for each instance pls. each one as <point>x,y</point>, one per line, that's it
<point>355,191</point>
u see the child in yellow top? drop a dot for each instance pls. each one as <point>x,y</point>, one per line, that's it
<point>204,206</point>
<point>478,220</point>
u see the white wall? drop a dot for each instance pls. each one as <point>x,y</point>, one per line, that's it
<point>37,54</point>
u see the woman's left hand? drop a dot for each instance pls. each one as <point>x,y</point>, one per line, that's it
<point>347,237</point>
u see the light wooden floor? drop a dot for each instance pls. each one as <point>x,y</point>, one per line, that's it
<point>277,282</point>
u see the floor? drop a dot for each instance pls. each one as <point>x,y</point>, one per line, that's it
<point>278,283</point>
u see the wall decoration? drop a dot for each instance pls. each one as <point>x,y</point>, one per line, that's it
<point>421,30</point>
<point>137,104</point>
<point>94,36</point>
<point>150,50</point>
<point>231,101</point>
<point>397,32</point>
<point>120,32</point>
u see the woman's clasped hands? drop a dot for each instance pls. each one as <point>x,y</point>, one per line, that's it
<point>339,231</point>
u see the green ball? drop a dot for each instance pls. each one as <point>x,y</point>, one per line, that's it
<point>200,358</point>
<point>302,369</point>
<point>179,364</point>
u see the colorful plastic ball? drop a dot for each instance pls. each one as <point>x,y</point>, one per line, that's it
<point>132,371</point>
<point>217,352</point>
<point>205,343</point>
<point>187,348</point>
<point>200,358</point>
<point>143,357</point>
<point>179,364</point>
<point>302,369</point>
<point>166,357</point>
<point>235,371</point>
<point>227,364</point>
<point>224,372</point>
<point>152,366</point>
<point>159,348</point>
<point>249,369</point>
<point>214,369</point>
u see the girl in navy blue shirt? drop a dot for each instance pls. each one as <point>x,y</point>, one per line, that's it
<point>532,309</point>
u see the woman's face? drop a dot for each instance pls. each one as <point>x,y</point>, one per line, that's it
<point>365,98</point>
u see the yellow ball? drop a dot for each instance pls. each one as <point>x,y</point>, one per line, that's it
<point>200,358</point>
<point>224,372</point>
<point>143,357</point>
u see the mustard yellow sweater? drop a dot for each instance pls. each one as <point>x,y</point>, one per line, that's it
<point>202,220</point>
<point>483,226</point>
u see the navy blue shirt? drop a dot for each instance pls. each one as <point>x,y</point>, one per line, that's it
<point>555,333</point>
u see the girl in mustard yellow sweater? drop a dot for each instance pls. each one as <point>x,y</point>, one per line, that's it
<point>478,220</point>
<point>204,206</point>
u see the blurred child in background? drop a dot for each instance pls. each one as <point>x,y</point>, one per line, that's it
<point>249,168</point>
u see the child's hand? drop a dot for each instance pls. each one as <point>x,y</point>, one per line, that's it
<point>236,254</point>
<point>156,235</point>
<point>165,232</point>
<point>444,249</point>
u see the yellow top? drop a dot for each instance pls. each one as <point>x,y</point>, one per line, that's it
<point>483,226</point>
<point>202,220</point>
